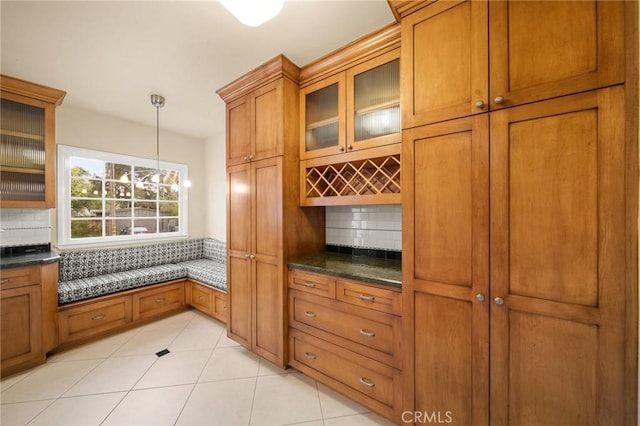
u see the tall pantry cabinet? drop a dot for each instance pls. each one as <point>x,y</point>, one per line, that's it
<point>520,204</point>
<point>265,225</point>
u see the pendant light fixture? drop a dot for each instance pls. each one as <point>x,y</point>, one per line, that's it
<point>253,13</point>
<point>158,102</point>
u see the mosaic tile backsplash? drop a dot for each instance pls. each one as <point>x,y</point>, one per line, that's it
<point>24,227</point>
<point>377,227</point>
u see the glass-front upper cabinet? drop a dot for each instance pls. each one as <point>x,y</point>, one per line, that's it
<point>27,145</point>
<point>355,109</point>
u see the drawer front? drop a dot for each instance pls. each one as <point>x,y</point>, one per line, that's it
<point>371,297</point>
<point>366,331</point>
<point>158,300</point>
<point>18,277</point>
<point>220,311</point>
<point>90,319</point>
<point>358,373</point>
<point>320,285</point>
<point>201,298</point>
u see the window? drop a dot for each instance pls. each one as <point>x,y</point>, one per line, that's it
<point>106,198</point>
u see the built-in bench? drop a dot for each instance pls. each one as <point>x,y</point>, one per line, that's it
<point>100,290</point>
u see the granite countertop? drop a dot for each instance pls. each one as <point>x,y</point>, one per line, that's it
<point>374,270</point>
<point>28,260</point>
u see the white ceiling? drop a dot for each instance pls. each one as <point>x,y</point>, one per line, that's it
<point>109,56</point>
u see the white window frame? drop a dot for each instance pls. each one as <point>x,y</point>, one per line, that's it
<point>65,153</point>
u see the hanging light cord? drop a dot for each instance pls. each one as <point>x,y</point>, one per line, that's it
<point>158,140</point>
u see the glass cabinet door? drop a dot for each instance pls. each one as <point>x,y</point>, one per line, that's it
<point>374,102</point>
<point>22,151</point>
<point>323,112</point>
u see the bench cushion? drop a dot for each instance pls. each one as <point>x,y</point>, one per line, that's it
<point>210,272</point>
<point>86,288</point>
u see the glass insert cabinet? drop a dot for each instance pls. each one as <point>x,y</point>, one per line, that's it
<point>356,109</point>
<point>27,148</point>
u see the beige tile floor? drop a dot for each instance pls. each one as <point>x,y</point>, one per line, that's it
<point>206,379</point>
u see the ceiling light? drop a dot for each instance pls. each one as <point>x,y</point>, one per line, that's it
<point>253,13</point>
<point>158,102</point>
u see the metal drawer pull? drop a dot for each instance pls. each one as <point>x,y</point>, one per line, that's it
<point>309,355</point>
<point>367,333</point>
<point>367,298</point>
<point>159,300</point>
<point>5,280</point>
<point>200,297</point>
<point>309,314</point>
<point>309,285</point>
<point>97,318</point>
<point>367,382</point>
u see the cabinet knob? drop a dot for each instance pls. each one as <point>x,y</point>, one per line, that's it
<point>200,297</point>
<point>367,382</point>
<point>247,256</point>
<point>246,158</point>
<point>480,297</point>
<point>499,301</point>
<point>251,157</point>
<point>341,148</point>
<point>479,104</point>
<point>252,256</point>
<point>349,147</point>
<point>499,100</point>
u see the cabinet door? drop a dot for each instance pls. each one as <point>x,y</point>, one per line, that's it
<point>239,131</point>
<point>322,112</point>
<point>444,65</point>
<point>268,270</point>
<point>239,249</point>
<point>21,326</point>
<point>267,121</point>
<point>446,268</point>
<point>373,102</point>
<point>558,262</point>
<point>541,50</point>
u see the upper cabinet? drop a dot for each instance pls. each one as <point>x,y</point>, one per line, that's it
<point>355,109</point>
<point>504,53</point>
<point>27,150</point>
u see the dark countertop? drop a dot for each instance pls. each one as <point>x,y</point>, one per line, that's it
<point>28,260</point>
<point>374,270</point>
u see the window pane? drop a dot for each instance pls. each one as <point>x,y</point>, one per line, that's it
<point>169,209</point>
<point>86,228</point>
<point>118,189</point>
<point>169,192</point>
<point>86,167</point>
<point>147,191</point>
<point>145,226</point>
<point>86,208</point>
<point>145,209</point>
<point>144,174</point>
<point>118,209</point>
<point>116,171</point>
<point>169,225</point>
<point>118,227</point>
<point>86,188</point>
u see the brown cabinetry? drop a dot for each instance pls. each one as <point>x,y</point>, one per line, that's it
<point>468,57</point>
<point>29,316</point>
<point>265,225</point>
<point>27,148</point>
<point>349,343</point>
<point>208,300</point>
<point>514,221</point>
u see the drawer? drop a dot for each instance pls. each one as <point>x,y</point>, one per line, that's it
<point>202,298</point>
<point>332,317</point>
<point>320,285</point>
<point>358,373</point>
<point>93,318</point>
<point>220,306</point>
<point>149,303</point>
<point>18,277</point>
<point>369,296</point>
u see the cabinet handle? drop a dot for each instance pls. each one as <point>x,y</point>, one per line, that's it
<point>309,314</point>
<point>246,158</point>
<point>479,104</point>
<point>367,333</point>
<point>480,297</point>
<point>247,256</point>
<point>309,355</point>
<point>367,298</point>
<point>367,382</point>
<point>251,157</point>
<point>5,280</point>
<point>97,318</point>
<point>341,148</point>
<point>499,301</point>
<point>309,284</point>
<point>225,308</point>
<point>252,256</point>
<point>349,147</point>
<point>499,100</point>
<point>160,300</point>
<point>200,297</point>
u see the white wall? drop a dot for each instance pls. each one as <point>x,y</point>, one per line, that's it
<point>216,187</point>
<point>87,129</point>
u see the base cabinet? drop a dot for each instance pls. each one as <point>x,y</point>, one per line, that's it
<point>207,300</point>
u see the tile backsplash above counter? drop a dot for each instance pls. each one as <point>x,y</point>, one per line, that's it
<point>372,226</point>
<point>24,227</point>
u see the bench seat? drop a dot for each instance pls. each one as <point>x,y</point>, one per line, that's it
<point>206,271</point>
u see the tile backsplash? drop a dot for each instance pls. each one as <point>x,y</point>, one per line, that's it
<point>24,226</point>
<point>378,226</point>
